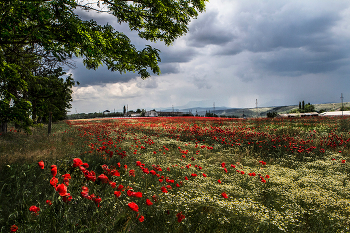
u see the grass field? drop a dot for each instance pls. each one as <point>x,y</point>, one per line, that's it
<point>178,175</point>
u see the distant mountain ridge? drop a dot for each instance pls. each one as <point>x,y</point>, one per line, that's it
<point>251,112</point>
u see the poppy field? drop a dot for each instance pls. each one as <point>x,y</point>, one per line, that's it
<point>182,174</point>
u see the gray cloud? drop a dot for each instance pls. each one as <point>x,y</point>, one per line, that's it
<point>149,83</point>
<point>209,31</point>
<point>169,68</point>
<point>99,76</point>
<point>279,52</point>
<point>201,83</point>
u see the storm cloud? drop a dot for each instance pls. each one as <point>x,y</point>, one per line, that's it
<point>279,52</point>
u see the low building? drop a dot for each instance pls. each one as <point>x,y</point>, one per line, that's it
<point>336,113</point>
<point>171,113</point>
<point>292,115</point>
<point>151,114</point>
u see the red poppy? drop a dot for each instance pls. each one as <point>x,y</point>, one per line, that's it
<point>134,194</point>
<point>219,181</point>
<point>67,198</point>
<point>97,200</point>
<point>343,161</point>
<point>164,190</point>
<point>133,206</point>
<point>115,172</point>
<point>34,209</point>
<point>113,184</point>
<point>267,176</point>
<point>145,170</point>
<point>132,173</point>
<point>180,217</point>
<point>62,189</point>
<point>262,162</point>
<point>148,202</point>
<point>54,181</point>
<point>223,164</point>
<point>85,165</point>
<point>90,176</point>
<point>54,170</point>
<point>117,193</point>
<point>66,176</point>
<point>193,175</point>
<point>77,162</point>
<point>48,202</point>
<point>41,164</point>
<point>85,192</point>
<point>152,172</point>
<point>103,178</point>
<point>225,169</point>
<point>224,195</point>
<point>155,198</point>
<point>14,228</point>
<point>141,219</point>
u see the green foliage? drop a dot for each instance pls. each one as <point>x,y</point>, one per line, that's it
<point>54,26</point>
<point>343,108</point>
<point>50,93</point>
<point>93,115</point>
<point>306,108</point>
<point>210,114</point>
<point>271,114</point>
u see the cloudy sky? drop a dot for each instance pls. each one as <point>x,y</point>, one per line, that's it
<point>278,52</point>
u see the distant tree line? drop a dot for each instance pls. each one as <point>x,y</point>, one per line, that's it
<point>93,115</point>
<point>303,108</point>
<point>271,114</point>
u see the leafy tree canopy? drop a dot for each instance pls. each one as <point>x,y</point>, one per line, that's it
<point>55,26</point>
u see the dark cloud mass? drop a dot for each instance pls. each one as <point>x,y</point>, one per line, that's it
<point>169,68</point>
<point>172,54</point>
<point>209,31</point>
<point>99,76</point>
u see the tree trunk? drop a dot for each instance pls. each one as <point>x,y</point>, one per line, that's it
<point>50,123</point>
<point>3,127</point>
<point>34,118</point>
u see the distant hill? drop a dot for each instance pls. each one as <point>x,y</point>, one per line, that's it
<point>262,111</point>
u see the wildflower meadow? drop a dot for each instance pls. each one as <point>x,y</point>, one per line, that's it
<point>178,174</point>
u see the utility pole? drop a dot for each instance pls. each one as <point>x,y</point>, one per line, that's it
<point>342,107</point>
<point>214,108</point>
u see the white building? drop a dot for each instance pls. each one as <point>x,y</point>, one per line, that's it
<point>151,114</point>
<point>336,113</point>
